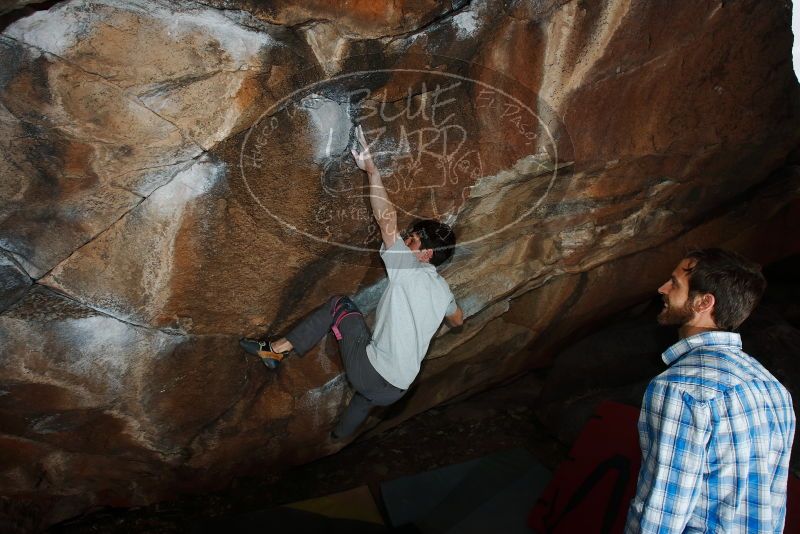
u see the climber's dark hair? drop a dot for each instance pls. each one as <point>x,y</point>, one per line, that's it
<point>436,236</point>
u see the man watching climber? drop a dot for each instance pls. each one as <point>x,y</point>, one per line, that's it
<point>381,365</point>
<point>716,428</point>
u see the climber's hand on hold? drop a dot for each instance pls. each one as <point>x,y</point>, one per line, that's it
<point>363,157</point>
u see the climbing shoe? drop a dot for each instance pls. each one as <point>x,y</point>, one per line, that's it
<point>263,350</point>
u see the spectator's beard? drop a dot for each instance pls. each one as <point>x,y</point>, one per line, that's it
<point>676,316</point>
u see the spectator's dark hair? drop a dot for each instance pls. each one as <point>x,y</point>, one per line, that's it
<point>736,283</point>
<point>436,236</point>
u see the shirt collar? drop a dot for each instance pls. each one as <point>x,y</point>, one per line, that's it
<point>705,339</point>
<point>398,249</point>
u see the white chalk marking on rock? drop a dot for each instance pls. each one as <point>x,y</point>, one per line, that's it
<point>58,29</point>
<point>332,123</point>
<point>466,23</point>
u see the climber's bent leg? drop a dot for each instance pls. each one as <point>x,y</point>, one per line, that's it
<point>313,327</point>
<point>371,388</point>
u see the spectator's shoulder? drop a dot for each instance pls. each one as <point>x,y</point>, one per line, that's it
<point>702,375</point>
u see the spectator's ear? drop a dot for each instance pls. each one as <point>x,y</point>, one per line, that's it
<point>426,254</point>
<point>704,302</point>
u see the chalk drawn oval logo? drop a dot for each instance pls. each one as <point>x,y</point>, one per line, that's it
<point>452,141</point>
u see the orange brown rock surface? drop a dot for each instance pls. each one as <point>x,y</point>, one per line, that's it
<point>176,174</point>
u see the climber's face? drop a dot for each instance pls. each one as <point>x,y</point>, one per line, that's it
<point>414,243</point>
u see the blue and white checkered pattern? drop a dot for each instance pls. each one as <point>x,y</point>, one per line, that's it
<point>716,431</point>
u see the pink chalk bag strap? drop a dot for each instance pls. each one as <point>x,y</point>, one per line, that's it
<point>341,308</point>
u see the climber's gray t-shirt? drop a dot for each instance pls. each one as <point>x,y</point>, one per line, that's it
<point>409,313</point>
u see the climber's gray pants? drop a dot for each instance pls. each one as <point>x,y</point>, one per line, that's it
<point>371,388</point>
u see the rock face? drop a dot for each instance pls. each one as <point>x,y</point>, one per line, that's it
<point>177,174</point>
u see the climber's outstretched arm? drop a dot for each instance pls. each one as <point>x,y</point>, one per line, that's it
<point>382,209</point>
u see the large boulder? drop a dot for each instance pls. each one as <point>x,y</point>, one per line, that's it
<point>177,174</point>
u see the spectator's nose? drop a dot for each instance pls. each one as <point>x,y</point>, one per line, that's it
<point>664,289</point>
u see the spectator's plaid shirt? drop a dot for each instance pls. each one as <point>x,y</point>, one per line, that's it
<point>716,431</point>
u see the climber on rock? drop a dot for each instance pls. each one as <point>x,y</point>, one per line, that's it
<point>381,365</point>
